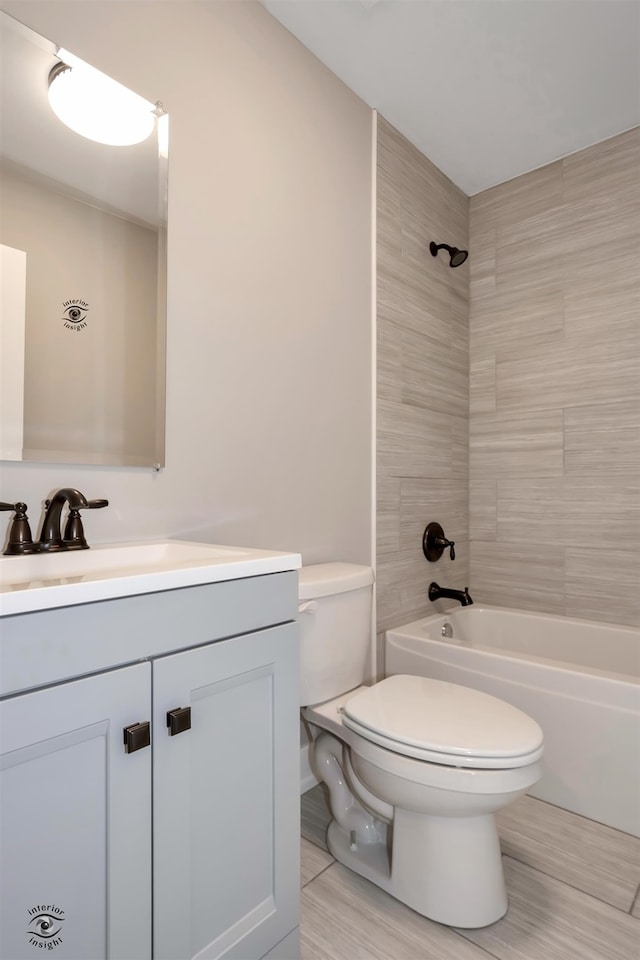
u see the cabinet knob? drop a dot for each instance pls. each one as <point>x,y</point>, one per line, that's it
<point>178,720</point>
<point>137,736</point>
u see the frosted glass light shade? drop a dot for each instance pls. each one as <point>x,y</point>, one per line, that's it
<point>97,107</point>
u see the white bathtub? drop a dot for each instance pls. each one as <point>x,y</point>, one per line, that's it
<point>579,679</point>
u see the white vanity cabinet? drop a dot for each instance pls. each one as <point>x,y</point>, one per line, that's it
<point>186,847</point>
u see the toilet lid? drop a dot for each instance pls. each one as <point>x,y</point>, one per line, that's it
<point>444,722</point>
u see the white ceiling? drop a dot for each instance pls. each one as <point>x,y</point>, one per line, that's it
<point>487,89</point>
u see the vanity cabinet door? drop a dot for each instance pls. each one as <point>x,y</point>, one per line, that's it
<point>226,798</point>
<point>75,821</point>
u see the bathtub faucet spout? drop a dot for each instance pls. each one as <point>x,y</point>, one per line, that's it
<point>462,596</point>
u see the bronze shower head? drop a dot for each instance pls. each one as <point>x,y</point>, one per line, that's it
<point>457,257</point>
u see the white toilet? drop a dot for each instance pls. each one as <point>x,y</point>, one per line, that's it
<point>416,768</point>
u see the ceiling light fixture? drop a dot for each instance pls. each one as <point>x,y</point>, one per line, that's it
<point>97,107</point>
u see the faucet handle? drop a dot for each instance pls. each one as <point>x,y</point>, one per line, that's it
<point>447,543</point>
<point>20,540</point>
<point>74,538</point>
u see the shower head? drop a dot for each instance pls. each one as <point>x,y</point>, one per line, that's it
<point>457,257</point>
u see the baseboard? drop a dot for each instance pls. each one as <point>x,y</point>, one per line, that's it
<point>307,777</point>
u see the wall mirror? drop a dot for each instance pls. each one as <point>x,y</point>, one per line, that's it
<point>82,277</point>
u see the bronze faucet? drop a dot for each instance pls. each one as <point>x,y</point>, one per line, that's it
<point>19,541</point>
<point>50,536</point>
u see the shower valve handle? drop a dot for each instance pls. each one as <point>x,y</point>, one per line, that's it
<point>443,542</point>
<point>434,542</point>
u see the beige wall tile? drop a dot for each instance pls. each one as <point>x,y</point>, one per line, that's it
<point>516,318</point>
<point>482,263</point>
<point>403,582</point>
<point>413,442</point>
<point>571,511</point>
<point>603,438</point>
<point>420,300</point>
<point>446,502</point>
<point>482,386</point>
<point>599,229</point>
<point>529,576</point>
<point>416,183</point>
<point>609,168</point>
<point>519,198</point>
<point>401,585</point>
<point>531,249</point>
<point>615,566</point>
<point>389,360</point>
<point>460,456</point>
<point>605,304</point>
<point>517,444</point>
<point>423,375</point>
<point>482,508</point>
<point>552,449</point>
<point>387,515</point>
<point>599,369</point>
<point>604,584</point>
<point>424,500</point>
<point>435,375</point>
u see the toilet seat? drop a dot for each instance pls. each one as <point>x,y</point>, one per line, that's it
<point>443,723</point>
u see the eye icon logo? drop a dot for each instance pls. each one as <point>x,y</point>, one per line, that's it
<point>45,926</point>
<point>74,316</point>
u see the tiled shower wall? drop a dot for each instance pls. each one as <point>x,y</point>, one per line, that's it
<point>422,379</point>
<point>555,387</point>
<point>553,483</point>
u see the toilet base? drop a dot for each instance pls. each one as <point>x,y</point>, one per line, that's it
<point>370,860</point>
<point>448,869</point>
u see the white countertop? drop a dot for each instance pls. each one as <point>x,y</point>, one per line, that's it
<point>65,578</point>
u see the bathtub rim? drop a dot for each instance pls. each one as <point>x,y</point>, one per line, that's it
<point>619,690</point>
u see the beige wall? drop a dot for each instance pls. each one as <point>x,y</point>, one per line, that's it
<point>88,388</point>
<point>555,387</point>
<point>269,301</point>
<point>422,364</point>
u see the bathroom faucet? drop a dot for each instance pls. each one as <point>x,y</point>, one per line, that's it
<point>436,592</point>
<point>50,535</point>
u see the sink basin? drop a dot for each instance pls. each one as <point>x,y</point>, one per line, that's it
<point>168,554</point>
<point>40,581</point>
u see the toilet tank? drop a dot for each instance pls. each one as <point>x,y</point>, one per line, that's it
<point>334,617</point>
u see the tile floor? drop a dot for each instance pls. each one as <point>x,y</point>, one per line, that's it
<point>573,884</point>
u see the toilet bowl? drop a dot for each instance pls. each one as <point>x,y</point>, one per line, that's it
<point>416,768</point>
